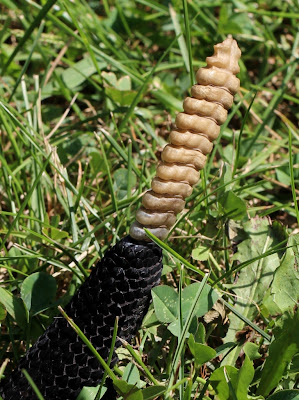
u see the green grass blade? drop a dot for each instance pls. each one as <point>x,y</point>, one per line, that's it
<point>33,385</point>
<point>247,321</point>
<point>238,144</point>
<point>188,40</point>
<point>114,335</point>
<point>88,344</point>
<point>144,86</point>
<point>139,361</point>
<point>27,62</point>
<point>25,202</point>
<point>232,392</point>
<point>110,182</point>
<point>292,175</point>
<point>281,14</point>
<point>175,254</point>
<point>179,34</point>
<point>37,20</point>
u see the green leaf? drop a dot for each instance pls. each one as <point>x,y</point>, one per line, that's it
<point>121,97</point>
<point>283,175</point>
<point>245,376</point>
<point>254,279</point>
<point>38,292</point>
<point>200,336</point>
<point>181,40</point>
<point>231,22</point>
<point>219,384</point>
<point>232,206</point>
<point>152,392</point>
<point>129,392</point>
<point>201,253</point>
<point>175,328</point>
<point>109,78</point>
<point>188,390</point>
<point>131,374</point>
<point>285,287</point>
<point>294,368</point>
<point>201,352</point>
<point>285,395</point>
<point>226,179</point>
<point>2,312</point>
<point>124,83</point>
<point>121,181</point>
<point>14,306</point>
<point>57,234</point>
<point>224,348</point>
<point>89,393</point>
<point>239,380</point>
<point>185,328</point>
<point>168,100</point>
<point>281,352</point>
<point>165,300</point>
<point>207,299</point>
<point>79,72</point>
<point>252,351</point>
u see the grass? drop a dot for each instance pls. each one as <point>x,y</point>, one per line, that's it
<point>88,93</point>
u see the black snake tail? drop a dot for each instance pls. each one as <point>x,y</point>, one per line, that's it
<point>59,362</point>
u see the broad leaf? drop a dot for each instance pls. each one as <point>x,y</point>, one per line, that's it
<point>165,300</point>
<point>283,175</point>
<point>254,279</point>
<point>201,352</point>
<point>232,206</point>
<point>285,395</point>
<point>89,393</point>
<point>285,287</point>
<point>79,72</point>
<point>110,79</point>
<point>121,97</point>
<point>129,392</point>
<point>219,383</point>
<point>152,392</point>
<point>252,351</point>
<point>200,336</point>
<point>57,234</point>
<point>207,299</point>
<point>121,181</point>
<point>131,374</point>
<point>38,292</point>
<point>124,83</point>
<point>239,381</point>
<point>14,306</point>
<point>175,328</point>
<point>281,352</point>
<point>166,305</point>
<point>2,312</point>
<point>201,253</point>
<point>245,376</point>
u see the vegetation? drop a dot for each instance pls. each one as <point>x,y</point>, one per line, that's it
<point>88,93</point>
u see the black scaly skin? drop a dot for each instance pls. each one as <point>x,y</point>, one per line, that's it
<point>59,362</point>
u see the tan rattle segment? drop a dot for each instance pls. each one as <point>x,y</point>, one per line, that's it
<point>171,187</point>
<point>190,141</point>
